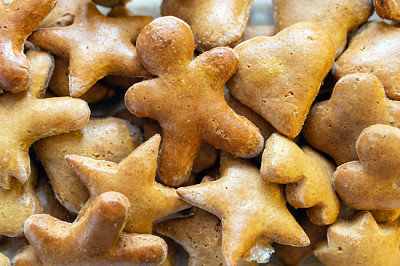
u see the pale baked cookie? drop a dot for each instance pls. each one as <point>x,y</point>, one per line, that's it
<point>280,76</point>
<point>360,242</point>
<point>214,23</point>
<point>187,99</point>
<point>337,17</point>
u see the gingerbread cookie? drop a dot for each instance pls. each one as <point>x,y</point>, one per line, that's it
<point>308,176</point>
<point>386,216</point>
<point>251,32</point>
<point>149,200</point>
<point>388,9</point>
<point>95,46</point>
<point>26,256</point>
<point>336,17</point>
<point>372,183</point>
<point>26,118</point>
<point>365,55</point>
<point>333,126</point>
<point>187,99</point>
<point>279,77</point>
<point>360,242</point>
<point>257,212</point>
<point>59,84</point>
<point>63,14</point>
<point>214,23</point>
<point>4,260</point>
<point>18,19</point>
<point>96,239</point>
<point>110,139</point>
<point>17,204</point>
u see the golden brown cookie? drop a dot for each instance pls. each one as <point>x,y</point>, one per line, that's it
<point>250,210</point>
<point>375,49</point>
<point>135,178</point>
<point>333,126</point>
<point>95,46</point>
<point>4,260</point>
<point>293,256</point>
<point>308,176</point>
<point>17,204</point>
<point>280,76</point>
<point>360,242</point>
<point>386,216</point>
<point>388,9</point>
<point>26,118</point>
<point>96,239</point>
<point>63,11</point>
<point>337,17</point>
<point>59,84</point>
<point>110,139</point>
<point>18,19</point>
<point>214,23</point>
<point>26,256</point>
<point>372,183</point>
<point>187,99</point>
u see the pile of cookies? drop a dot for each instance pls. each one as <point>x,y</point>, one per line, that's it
<point>236,142</point>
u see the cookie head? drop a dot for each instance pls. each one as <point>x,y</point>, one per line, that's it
<point>164,45</point>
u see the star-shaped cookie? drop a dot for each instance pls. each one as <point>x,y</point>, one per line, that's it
<point>360,242</point>
<point>26,118</point>
<point>249,209</point>
<point>187,99</point>
<point>17,20</point>
<point>135,178</point>
<point>95,46</point>
<point>96,239</point>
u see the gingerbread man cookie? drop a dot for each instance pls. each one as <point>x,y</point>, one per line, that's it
<point>308,175</point>
<point>280,76</point>
<point>214,23</point>
<point>149,200</point>
<point>96,239</point>
<point>26,118</point>
<point>256,212</point>
<point>360,242</point>
<point>333,126</point>
<point>365,55</point>
<point>187,99</point>
<point>95,46</point>
<point>373,182</point>
<point>17,21</point>
<point>337,17</point>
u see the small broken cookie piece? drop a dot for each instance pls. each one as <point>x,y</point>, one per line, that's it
<point>18,203</point>
<point>373,182</point>
<point>94,51</point>
<point>388,9</point>
<point>214,23</point>
<point>4,260</point>
<point>110,139</point>
<point>280,76</point>
<point>187,99</point>
<point>375,49</point>
<point>135,178</point>
<point>308,176</point>
<point>336,17</point>
<point>256,213</point>
<point>96,239</point>
<point>17,21</point>
<point>333,126</point>
<point>360,242</point>
<point>25,118</point>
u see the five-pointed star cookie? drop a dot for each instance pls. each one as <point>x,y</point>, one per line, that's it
<point>187,98</point>
<point>26,118</point>
<point>17,20</point>
<point>360,242</point>
<point>96,239</point>
<point>135,178</point>
<point>249,209</point>
<point>95,46</point>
